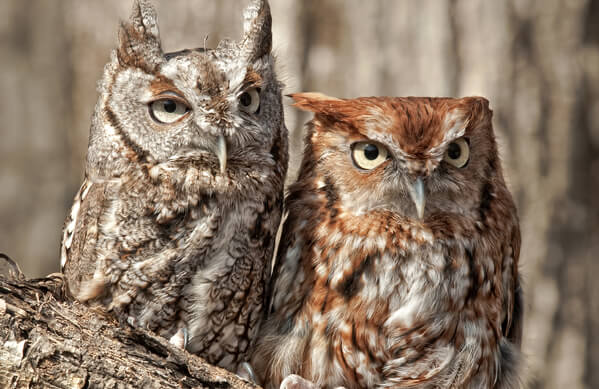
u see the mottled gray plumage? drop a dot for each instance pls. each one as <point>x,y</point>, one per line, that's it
<point>173,228</point>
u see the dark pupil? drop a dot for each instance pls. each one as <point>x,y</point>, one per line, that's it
<point>454,151</point>
<point>371,152</point>
<point>170,106</point>
<point>245,99</point>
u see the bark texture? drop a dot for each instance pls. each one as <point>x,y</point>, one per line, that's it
<point>536,61</point>
<point>46,342</point>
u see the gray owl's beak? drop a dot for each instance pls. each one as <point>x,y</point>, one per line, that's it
<point>418,197</point>
<point>221,153</point>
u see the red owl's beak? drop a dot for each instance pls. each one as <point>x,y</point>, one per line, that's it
<point>418,197</point>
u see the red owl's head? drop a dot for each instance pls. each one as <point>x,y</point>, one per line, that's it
<point>413,155</point>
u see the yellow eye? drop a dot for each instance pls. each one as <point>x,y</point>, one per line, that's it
<point>167,111</point>
<point>369,155</point>
<point>458,153</point>
<point>249,101</point>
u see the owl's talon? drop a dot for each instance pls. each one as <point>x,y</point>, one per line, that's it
<point>294,381</point>
<point>180,339</point>
<point>246,371</point>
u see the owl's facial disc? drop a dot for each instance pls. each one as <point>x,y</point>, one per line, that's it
<point>210,144</point>
<point>456,156</point>
<point>169,108</point>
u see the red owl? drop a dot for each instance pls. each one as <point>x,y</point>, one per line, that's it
<point>398,264</point>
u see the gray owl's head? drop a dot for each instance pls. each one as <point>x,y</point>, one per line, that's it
<point>211,107</point>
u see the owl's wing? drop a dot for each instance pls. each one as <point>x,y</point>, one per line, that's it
<point>285,269</point>
<point>514,332</point>
<point>80,234</point>
<point>514,306</point>
<point>282,297</point>
<point>511,362</point>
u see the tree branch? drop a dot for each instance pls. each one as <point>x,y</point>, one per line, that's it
<point>49,342</point>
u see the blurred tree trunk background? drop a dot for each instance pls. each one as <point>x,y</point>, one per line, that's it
<point>536,61</point>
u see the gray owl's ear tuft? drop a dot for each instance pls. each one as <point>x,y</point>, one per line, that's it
<point>139,38</point>
<point>257,28</point>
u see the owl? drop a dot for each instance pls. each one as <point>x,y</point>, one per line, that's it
<point>398,264</point>
<point>174,225</point>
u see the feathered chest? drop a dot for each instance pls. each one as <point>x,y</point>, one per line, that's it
<point>150,239</point>
<point>387,299</point>
<point>172,257</point>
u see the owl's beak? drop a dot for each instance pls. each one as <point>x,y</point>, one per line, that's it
<point>418,197</point>
<point>221,153</point>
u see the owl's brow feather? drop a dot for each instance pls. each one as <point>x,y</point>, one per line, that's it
<point>163,84</point>
<point>252,79</point>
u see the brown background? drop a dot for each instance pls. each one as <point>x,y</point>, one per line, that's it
<point>536,61</point>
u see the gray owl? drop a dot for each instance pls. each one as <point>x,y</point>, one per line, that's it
<point>174,225</point>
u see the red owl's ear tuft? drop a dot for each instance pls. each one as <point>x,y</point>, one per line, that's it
<point>480,106</point>
<point>477,111</point>
<point>315,102</point>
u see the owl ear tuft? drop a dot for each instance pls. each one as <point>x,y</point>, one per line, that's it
<point>480,106</point>
<point>257,28</point>
<point>317,103</point>
<point>476,111</point>
<point>139,38</point>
